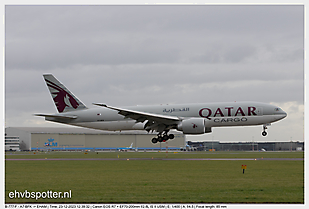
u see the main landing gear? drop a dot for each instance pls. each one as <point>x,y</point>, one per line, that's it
<point>161,138</point>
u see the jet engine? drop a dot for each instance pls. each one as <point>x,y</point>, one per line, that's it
<point>194,126</point>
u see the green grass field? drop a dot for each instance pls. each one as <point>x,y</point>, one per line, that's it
<point>158,155</point>
<point>159,181</point>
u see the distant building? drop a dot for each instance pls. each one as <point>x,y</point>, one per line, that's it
<point>12,143</point>
<point>47,138</point>
<point>247,146</point>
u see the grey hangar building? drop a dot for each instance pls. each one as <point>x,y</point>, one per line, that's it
<point>69,139</point>
<point>78,139</point>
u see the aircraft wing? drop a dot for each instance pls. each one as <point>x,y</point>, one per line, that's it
<point>142,116</point>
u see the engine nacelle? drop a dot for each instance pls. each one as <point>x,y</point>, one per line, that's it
<point>194,126</point>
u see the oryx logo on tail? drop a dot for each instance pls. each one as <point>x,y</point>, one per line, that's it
<point>63,98</point>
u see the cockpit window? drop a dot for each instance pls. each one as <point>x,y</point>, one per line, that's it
<point>277,109</point>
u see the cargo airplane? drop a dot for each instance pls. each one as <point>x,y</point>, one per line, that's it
<point>187,118</point>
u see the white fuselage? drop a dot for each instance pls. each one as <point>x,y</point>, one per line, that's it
<point>215,114</point>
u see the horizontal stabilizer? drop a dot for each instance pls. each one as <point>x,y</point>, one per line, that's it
<point>98,104</point>
<point>57,116</point>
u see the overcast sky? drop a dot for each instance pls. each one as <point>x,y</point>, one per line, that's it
<point>143,55</point>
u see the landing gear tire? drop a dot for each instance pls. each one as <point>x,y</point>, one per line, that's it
<point>165,138</point>
<point>154,140</point>
<point>171,136</point>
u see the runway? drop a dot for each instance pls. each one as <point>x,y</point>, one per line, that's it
<point>175,159</point>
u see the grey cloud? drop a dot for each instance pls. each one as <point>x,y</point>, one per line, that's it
<point>139,34</point>
<point>127,55</point>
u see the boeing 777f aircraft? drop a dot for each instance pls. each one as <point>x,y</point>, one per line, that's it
<point>187,118</point>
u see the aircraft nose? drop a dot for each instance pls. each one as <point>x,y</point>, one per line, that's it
<point>279,113</point>
<point>282,114</point>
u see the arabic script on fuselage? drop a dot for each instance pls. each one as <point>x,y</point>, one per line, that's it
<point>176,110</point>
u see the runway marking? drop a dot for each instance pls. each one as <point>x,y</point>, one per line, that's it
<point>179,159</point>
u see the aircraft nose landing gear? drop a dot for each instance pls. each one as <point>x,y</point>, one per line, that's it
<point>264,133</point>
